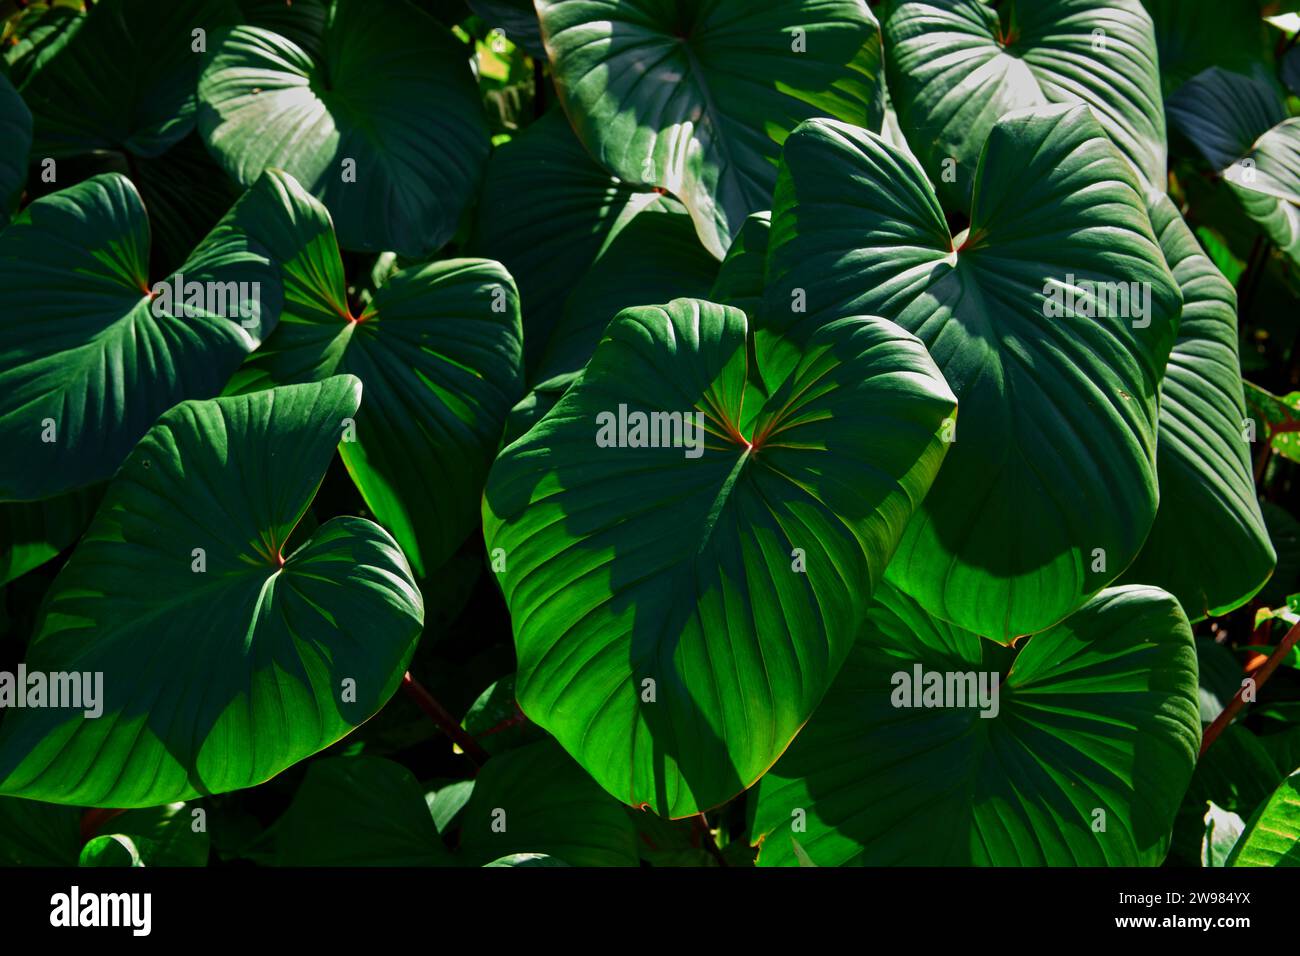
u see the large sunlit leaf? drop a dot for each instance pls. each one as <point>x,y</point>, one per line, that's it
<point>382,123</point>
<point>1051,318</point>
<point>88,358</point>
<point>697,98</point>
<point>1084,762</point>
<point>958,66</point>
<point>438,348</point>
<point>123,77</point>
<point>223,659</point>
<point>1209,546</point>
<point>679,609</point>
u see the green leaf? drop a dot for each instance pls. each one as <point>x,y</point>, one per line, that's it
<point>16,135</point>
<point>955,70</point>
<point>117,850</point>
<point>123,77</point>
<point>698,98</point>
<point>1209,546</point>
<point>535,799</point>
<point>1091,742</point>
<point>1226,33</point>
<point>33,532</point>
<point>527,859</point>
<point>655,256</point>
<point>1236,774</point>
<point>438,349</point>
<point>38,834</point>
<point>1050,488</point>
<point>495,720</point>
<point>109,358</point>
<point>221,666</point>
<point>166,835</point>
<point>358,811</point>
<point>558,221</point>
<point>1219,677</point>
<point>1222,828</point>
<point>1240,126</point>
<point>516,18</point>
<point>740,280</point>
<point>679,611</point>
<point>384,124</point>
<point>1272,836</point>
<point>40,32</point>
<point>1279,416</point>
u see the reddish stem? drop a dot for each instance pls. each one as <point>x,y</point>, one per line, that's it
<point>95,818</point>
<point>1238,699</point>
<point>440,716</point>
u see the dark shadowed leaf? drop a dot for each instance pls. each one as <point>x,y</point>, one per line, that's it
<point>109,357</point>
<point>1092,744</point>
<point>124,77</point>
<point>382,123</point>
<point>359,811</point>
<point>536,800</point>
<point>15,141</point>
<point>223,659</point>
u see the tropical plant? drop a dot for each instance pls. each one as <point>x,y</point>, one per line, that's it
<point>661,432</point>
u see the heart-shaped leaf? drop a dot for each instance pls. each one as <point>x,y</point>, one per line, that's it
<point>682,593</point>
<point>89,356</point>
<point>956,67</point>
<point>581,244</point>
<point>697,98</point>
<point>1239,124</point>
<point>16,137</point>
<point>383,123</point>
<point>123,77</point>
<point>933,748</point>
<point>221,660</point>
<point>438,349</point>
<point>1051,318</point>
<point>1209,546</point>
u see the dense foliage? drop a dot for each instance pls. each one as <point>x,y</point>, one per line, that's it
<point>676,432</point>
